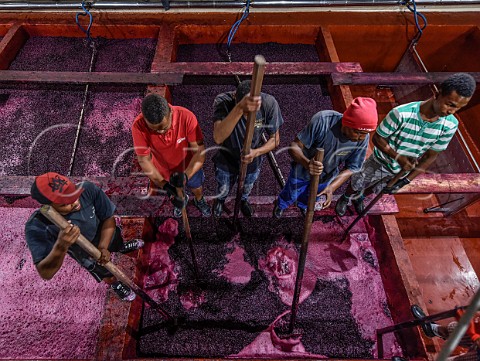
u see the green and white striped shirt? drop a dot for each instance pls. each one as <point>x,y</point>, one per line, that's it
<point>409,135</point>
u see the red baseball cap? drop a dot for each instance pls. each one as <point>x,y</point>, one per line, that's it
<point>52,187</point>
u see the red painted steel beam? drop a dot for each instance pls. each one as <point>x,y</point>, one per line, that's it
<point>11,43</point>
<point>462,227</point>
<point>136,186</point>
<point>130,194</point>
<point>122,186</point>
<point>173,73</point>
<point>392,78</point>
<point>14,76</point>
<point>444,183</point>
<point>245,68</point>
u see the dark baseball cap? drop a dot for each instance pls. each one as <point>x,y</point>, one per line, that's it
<point>52,187</point>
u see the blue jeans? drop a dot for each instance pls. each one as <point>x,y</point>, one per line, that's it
<point>296,190</point>
<point>225,181</point>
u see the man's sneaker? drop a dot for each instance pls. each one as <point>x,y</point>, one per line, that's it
<point>246,208</point>
<point>123,291</point>
<point>277,211</point>
<point>418,313</point>
<point>342,204</point>
<point>203,206</point>
<point>132,245</point>
<point>177,212</point>
<point>303,211</point>
<point>358,204</point>
<point>218,208</point>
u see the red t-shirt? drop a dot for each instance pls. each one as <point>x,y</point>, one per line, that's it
<point>169,150</point>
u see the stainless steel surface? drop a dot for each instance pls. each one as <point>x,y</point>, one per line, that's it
<point>118,5</point>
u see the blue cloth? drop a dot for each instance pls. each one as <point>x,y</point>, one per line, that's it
<point>225,181</point>
<point>268,119</point>
<point>197,180</point>
<point>41,234</point>
<point>296,190</point>
<point>324,131</point>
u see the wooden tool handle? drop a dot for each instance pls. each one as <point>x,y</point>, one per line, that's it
<point>186,223</point>
<point>57,219</point>
<point>257,80</point>
<point>304,246</point>
<point>319,155</point>
<point>256,87</point>
<point>314,180</point>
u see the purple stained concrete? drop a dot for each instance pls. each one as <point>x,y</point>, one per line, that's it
<point>273,52</point>
<point>73,54</point>
<point>44,123</point>
<point>105,145</point>
<point>342,299</point>
<point>53,54</point>
<point>125,55</point>
<point>56,319</point>
<point>37,129</point>
<point>43,120</point>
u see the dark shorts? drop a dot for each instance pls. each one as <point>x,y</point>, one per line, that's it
<point>193,183</point>
<point>88,262</point>
<point>197,180</point>
<point>373,174</point>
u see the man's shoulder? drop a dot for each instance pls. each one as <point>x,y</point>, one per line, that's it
<point>138,119</point>
<point>268,100</point>
<point>327,117</point>
<point>139,123</point>
<point>180,109</point>
<point>36,222</point>
<point>407,107</point>
<point>89,190</point>
<point>224,98</point>
<point>451,121</point>
<point>87,185</point>
<point>182,114</point>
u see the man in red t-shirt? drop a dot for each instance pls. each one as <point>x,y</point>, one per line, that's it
<point>168,140</point>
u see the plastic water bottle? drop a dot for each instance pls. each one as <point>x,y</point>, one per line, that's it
<point>319,203</point>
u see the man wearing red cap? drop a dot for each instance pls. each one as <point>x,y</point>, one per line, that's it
<point>409,139</point>
<point>344,138</point>
<point>90,213</point>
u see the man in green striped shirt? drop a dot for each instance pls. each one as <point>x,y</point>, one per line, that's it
<point>409,139</point>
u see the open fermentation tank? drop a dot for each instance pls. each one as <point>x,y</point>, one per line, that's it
<point>245,281</point>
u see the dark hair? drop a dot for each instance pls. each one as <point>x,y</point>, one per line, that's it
<point>242,89</point>
<point>155,108</point>
<point>462,83</point>
<point>38,196</point>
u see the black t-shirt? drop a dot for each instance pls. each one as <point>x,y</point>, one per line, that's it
<point>269,119</point>
<point>41,234</point>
